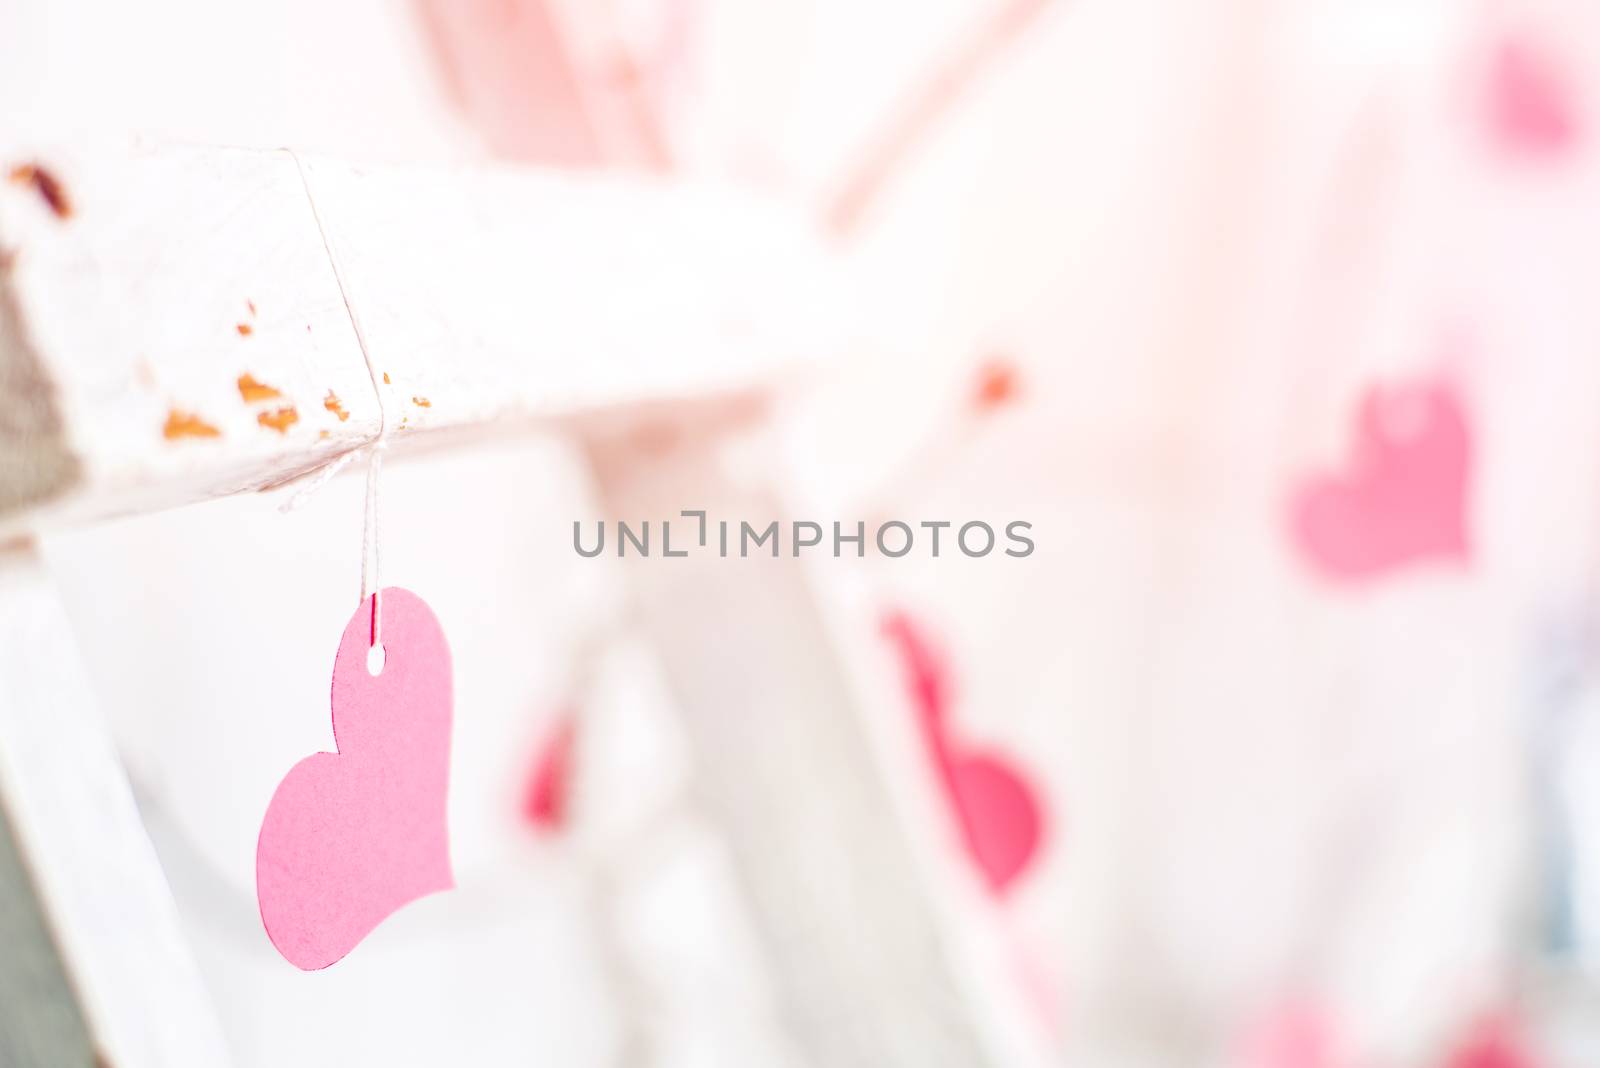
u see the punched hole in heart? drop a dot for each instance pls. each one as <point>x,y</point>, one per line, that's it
<point>376,657</point>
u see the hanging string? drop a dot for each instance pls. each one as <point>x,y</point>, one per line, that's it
<point>370,585</point>
<point>309,488</point>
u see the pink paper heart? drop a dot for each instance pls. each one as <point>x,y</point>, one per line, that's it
<point>548,791</point>
<point>1493,1043</point>
<point>1294,1035</point>
<point>351,836</point>
<point>994,802</point>
<point>1532,110</point>
<point>998,813</point>
<point>1402,499</point>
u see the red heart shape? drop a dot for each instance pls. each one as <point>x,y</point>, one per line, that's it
<point>1494,1043</point>
<point>1532,109</point>
<point>351,836</point>
<point>1403,497</point>
<point>549,787</point>
<point>998,814</point>
<point>995,804</point>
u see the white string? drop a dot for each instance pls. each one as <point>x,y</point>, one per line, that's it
<point>369,544</point>
<point>309,489</point>
<point>370,585</point>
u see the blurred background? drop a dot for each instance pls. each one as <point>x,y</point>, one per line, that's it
<point>1275,318</point>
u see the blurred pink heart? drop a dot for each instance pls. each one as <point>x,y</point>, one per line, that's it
<point>549,785</point>
<point>350,837</point>
<point>996,806</point>
<point>998,813</point>
<point>1294,1035</point>
<point>1494,1043</point>
<point>1532,111</point>
<point>1402,499</point>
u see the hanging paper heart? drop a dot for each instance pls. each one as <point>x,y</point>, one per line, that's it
<point>1533,111</point>
<point>1494,1043</point>
<point>1402,498</point>
<point>997,807</point>
<point>548,791</point>
<point>352,836</point>
<point>1296,1034</point>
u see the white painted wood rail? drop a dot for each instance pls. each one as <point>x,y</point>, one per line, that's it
<point>93,870</point>
<point>182,322</point>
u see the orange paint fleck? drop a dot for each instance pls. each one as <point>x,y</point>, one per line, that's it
<point>422,402</point>
<point>279,419</point>
<point>331,402</point>
<point>386,378</point>
<point>245,330</point>
<point>251,390</point>
<point>997,385</point>
<point>322,435</point>
<point>187,425</point>
<point>48,185</point>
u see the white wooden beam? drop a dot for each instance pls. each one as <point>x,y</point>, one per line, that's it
<point>122,318</point>
<point>40,1021</point>
<point>129,323</point>
<point>103,899</point>
<point>793,766</point>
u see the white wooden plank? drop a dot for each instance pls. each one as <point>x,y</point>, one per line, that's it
<point>40,1023</point>
<point>862,972</point>
<point>486,295</point>
<point>515,292</point>
<point>74,818</point>
<point>127,313</point>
